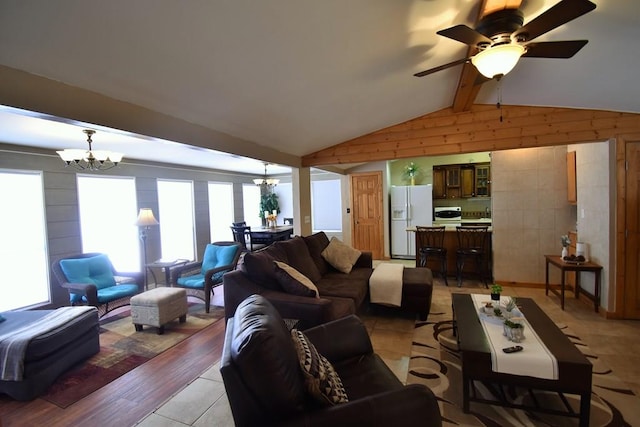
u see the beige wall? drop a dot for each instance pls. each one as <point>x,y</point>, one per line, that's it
<point>530,211</point>
<point>595,170</point>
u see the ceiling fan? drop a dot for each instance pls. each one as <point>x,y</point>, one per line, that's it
<point>501,39</point>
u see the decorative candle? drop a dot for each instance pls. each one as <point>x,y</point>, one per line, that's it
<point>275,212</point>
<point>266,214</point>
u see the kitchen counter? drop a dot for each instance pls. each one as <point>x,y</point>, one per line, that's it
<point>451,244</point>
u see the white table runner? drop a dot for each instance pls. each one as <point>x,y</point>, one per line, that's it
<point>535,360</point>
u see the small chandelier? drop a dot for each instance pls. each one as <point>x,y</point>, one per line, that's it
<point>497,61</point>
<point>92,160</point>
<point>267,182</point>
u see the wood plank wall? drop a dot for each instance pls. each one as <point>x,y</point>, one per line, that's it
<point>480,129</point>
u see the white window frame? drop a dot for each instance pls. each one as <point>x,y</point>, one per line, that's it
<point>251,205</point>
<point>107,218</point>
<point>177,229</point>
<point>23,246</point>
<point>221,212</point>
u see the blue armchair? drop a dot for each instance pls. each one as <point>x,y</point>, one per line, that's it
<point>199,278</point>
<point>91,279</point>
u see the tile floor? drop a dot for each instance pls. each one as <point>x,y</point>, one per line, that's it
<point>203,401</point>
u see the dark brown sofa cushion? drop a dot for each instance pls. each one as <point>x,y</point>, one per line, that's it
<point>299,258</point>
<point>260,268</point>
<point>316,243</point>
<point>265,357</point>
<point>343,287</point>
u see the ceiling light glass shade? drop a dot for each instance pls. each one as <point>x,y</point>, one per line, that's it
<point>268,182</point>
<point>146,218</point>
<point>92,160</point>
<point>497,60</point>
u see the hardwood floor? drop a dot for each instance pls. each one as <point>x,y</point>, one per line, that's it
<point>128,399</point>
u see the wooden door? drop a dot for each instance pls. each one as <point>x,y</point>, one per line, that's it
<point>632,231</point>
<point>367,218</point>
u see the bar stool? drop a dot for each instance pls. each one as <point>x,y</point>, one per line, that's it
<point>430,243</point>
<point>471,245</point>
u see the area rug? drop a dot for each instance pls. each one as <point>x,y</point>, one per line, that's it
<point>123,349</point>
<point>435,362</point>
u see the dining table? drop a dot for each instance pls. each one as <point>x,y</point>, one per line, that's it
<point>268,235</point>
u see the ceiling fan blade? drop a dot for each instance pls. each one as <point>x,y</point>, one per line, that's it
<point>561,13</point>
<point>560,49</point>
<point>441,67</point>
<point>465,35</point>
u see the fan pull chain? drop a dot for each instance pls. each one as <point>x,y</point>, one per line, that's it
<point>499,103</point>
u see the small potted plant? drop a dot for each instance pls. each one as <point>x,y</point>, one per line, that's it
<point>513,329</point>
<point>566,241</point>
<point>495,292</point>
<point>509,307</point>
<point>410,171</point>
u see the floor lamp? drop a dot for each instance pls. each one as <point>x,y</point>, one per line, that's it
<point>144,222</point>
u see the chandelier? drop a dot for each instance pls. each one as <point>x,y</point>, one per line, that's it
<point>92,160</point>
<point>267,182</point>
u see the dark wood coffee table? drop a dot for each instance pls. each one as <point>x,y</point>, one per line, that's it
<point>573,367</point>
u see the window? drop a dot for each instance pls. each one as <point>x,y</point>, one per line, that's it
<point>23,247</point>
<point>285,201</point>
<point>251,204</point>
<point>326,205</point>
<point>220,210</point>
<point>108,212</point>
<point>176,217</point>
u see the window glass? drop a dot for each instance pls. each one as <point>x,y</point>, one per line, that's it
<point>176,217</point>
<point>326,205</point>
<point>108,212</point>
<point>220,210</point>
<point>251,204</point>
<point>23,246</point>
<point>285,201</point>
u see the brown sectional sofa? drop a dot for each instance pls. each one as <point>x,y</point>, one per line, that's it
<point>340,294</point>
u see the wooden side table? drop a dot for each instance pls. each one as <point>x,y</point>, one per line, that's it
<point>566,266</point>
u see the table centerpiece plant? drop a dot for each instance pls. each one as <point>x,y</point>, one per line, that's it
<point>495,292</point>
<point>513,329</point>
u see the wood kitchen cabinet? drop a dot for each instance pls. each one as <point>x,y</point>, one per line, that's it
<point>462,181</point>
<point>482,180</point>
<point>439,183</point>
<point>467,181</point>
<point>572,185</point>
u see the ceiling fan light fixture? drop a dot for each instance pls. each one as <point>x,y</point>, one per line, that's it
<point>498,60</point>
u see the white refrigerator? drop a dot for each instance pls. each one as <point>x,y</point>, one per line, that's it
<point>410,206</point>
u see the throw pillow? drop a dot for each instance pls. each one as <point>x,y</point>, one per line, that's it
<point>2,319</point>
<point>294,282</point>
<point>320,378</point>
<point>341,256</point>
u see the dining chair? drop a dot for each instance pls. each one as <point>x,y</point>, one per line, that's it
<point>472,242</point>
<point>430,244</point>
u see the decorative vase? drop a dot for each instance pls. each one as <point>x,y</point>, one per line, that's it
<point>495,297</point>
<point>413,180</point>
<point>565,252</point>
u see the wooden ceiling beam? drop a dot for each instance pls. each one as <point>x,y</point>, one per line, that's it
<point>471,80</point>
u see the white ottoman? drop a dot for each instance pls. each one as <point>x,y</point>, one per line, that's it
<point>158,307</point>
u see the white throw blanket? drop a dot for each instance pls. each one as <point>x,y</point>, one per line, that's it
<point>535,360</point>
<point>13,345</point>
<point>385,284</point>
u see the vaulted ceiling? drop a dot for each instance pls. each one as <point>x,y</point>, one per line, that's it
<point>289,81</point>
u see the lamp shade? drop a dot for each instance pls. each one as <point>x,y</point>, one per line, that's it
<point>146,218</point>
<point>497,60</point>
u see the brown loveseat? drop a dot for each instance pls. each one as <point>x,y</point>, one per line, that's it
<point>269,381</point>
<point>340,294</point>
